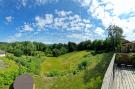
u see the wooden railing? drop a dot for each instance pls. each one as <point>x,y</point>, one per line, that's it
<point>109,75</point>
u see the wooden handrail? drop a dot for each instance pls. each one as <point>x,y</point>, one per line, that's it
<point>109,75</point>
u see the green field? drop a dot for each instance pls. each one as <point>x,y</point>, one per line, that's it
<point>66,72</point>
<point>90,78</point>
<point>67,62</point>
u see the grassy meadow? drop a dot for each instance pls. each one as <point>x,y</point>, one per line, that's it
<point>63,72</point>
<point>67,62</point>
<point>73,78</point>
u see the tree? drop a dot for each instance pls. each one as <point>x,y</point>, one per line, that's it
<point>29,47</point>
<point>115,34</point>
<point>72,46</point>
<point>85,45</point>
<point>106,44</point>
<point>97,45</point>
<point>48,51</point>
<point>18,52</point>
<point>56,52</point>
<point>63,50</point>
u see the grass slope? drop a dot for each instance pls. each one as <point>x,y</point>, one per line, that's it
<point>62,63</point>
<point>91,78</point>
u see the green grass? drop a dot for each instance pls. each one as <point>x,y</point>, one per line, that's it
<point>91,78</point>
<point>62,63</point>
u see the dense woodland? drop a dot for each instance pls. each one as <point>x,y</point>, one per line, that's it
<point>29,55</point>
<point>32,48</point>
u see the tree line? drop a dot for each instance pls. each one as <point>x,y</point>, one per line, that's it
<point>111,43</point>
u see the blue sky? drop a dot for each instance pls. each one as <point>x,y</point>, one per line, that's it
<point>55,21</point>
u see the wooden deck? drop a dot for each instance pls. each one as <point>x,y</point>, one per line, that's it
<point>119,78</point>
<point>124,78</point>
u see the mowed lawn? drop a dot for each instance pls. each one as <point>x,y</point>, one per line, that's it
<point>90,78</point>
<point>67,62</point>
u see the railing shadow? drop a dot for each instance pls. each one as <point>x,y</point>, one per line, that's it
<point>97,72</point>
<point>11,86</point>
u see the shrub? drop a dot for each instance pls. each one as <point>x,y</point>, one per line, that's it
<point>132,57</point>
<point>122,58</point>
<point>83,65</point>
<point>93,53</point>
<point>56,52</point>
<point>22,70</point>
<point>8,75</point>
<point>18,52</point>
<point>53,73</point>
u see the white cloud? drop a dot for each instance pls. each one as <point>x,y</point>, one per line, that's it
<point>42,22</point>
<point>27,28</point>
<point>63,13</point>
<point>42,2</point>
<point>99,31</point>
<point>49,18</point>
<point>9,19</point>
<point>109,12</point>
<point>24,3</point>
<point>65,20</point>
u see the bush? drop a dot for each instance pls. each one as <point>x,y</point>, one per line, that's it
<point>18,52</point>
<point>56,52</point>
<point>132,57</point>
<point>22,70</point>
<point>83,65</point>
<point>53,73</point>
<point>8,75</point>
<point>93,53</point>
<point>124,58</point>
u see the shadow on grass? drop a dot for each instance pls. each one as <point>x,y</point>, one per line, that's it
<point>93,77</point>
<point>11,86</point>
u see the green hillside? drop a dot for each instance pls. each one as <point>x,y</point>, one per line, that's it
<point>67,62</point>
<point>66,72</point>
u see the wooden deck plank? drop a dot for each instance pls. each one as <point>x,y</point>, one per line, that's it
<point>124,78</point>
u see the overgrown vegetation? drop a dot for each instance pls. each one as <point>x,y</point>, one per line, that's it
<point>124,58</point>
<point>9,73</point>
<point>88,78</point>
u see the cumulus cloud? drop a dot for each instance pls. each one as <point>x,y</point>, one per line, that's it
<point>110,12</point>
<point>42,22</point>
<point>9,19</point>
<point>63,13</point>
<point>99,31</point>
<point>23,2</point>
<point>59,20</point>
<point>26,28</point>
<point>62,20</point>
<point>42,2</point>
